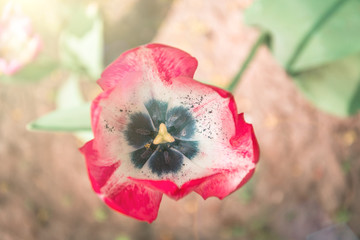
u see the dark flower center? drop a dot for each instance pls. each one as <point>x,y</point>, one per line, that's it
<point>167,155</point>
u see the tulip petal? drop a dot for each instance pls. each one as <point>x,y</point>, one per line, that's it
<point>221,185</point>
<point>136,201</point>
<point>99,172</point>
<point>139,131</point>
<point>164,61</point>
<point>220,131</point>
<point>165,161</point>
<point>171,189</point>
<point>121,194</point>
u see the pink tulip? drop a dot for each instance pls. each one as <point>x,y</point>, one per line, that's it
<point>158,131</point>
<point>19,45</point>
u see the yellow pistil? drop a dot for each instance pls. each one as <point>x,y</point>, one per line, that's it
<point>163,135</point>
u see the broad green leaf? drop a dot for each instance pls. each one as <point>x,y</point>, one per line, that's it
<point>81,42</point>
<point>317,43</point>
<point>334,87</point>
<point>336,24</point>
<point>68,120</point>
<point>69,95</point>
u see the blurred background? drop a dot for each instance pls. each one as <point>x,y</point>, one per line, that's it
<point>300,91</point>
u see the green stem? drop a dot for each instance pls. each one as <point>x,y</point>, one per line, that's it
<point>261,39</point>
<point>318,24</point>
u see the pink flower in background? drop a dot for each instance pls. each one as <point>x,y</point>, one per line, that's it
<point>158,131</point>
<point>18,43</point>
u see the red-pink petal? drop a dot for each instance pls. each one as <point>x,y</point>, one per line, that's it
<point>221,185</point>
<point>136,201</point>
<point>244,140</point>
<point>165,61</point>
<point>242,144</point>
<point>98,173</point>
<point>128,197</point>
<point>171,189</point>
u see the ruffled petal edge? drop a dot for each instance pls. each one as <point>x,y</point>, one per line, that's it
<point>128,197</point>
<point>217,185</point>
<point>167,62</point>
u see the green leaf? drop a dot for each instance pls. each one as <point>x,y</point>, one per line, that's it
<point>72,113</point>
<point>68,120</point>
<point>334,87</point>
<point>317,43</point>
<point>336,24</point>
<point>81,42</point>
<point>69,94</point>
